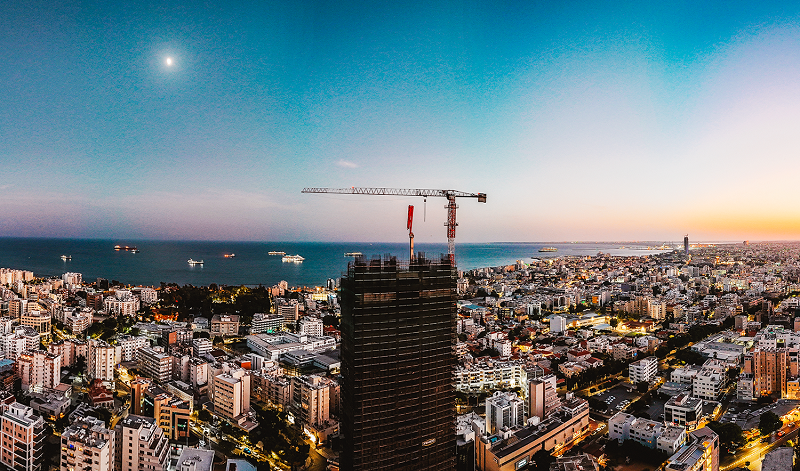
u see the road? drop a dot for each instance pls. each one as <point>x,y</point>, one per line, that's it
<point>755,453</point>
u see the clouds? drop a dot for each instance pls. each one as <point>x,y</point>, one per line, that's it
<point>347,164</point>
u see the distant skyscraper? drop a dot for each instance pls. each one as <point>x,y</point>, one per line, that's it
<point>398,331</point>
<point>686,244</point>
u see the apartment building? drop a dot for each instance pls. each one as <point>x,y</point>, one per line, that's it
<point>140,445</point>
<point>129,345</point>
<point>701,453</point>
<point>101,360</point>
<point>311,398</point>
<point>542,397</point>
<point>231,395</point>
<point>271,389</point>
<point>22,435</point>
<point>708,382</point>
<point>87,445</point>
<point>266,323</point>
<point>122,304</point>
<point>39,369</point>
<point>504,411</point>
<point>655,435</point>
<point>40,321</point>
<point>683,410</point>
<point>643,370</point>
<point>154,363</point>
<point>226,325</point>
<point>70,350</point>
<point>311,326</point>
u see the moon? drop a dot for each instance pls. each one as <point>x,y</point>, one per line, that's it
<point>169,61</point>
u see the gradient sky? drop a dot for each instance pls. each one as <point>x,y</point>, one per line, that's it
<point>581,121</point>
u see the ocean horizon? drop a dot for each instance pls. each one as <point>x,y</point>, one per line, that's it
<point>167,260</point>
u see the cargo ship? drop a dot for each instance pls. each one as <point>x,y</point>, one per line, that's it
<point>548,249</point>
<point>353,254</point>
<point>276,253</point>
<point>195,262</point>
<point>293,258</point>
<point>66,257</point>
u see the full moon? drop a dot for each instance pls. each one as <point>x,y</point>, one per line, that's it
<point>169,61</point>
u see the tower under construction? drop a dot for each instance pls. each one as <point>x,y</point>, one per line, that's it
<point>398,333</point>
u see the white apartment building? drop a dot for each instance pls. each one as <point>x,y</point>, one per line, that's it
<point>77,322</point>
<point>87,445</point>
<point>231,395</point>
<point>266,323</point>
<point>72,279</point>
<point>558,324</point>
<point>489,375</point>
<point>311,326</point>
<point>39,369</point>
<point>649,433</point>
<point>21,339</point>
<point>101,360</point>
<point>643,370</point>
<point>128,345</point>
<point>201,346</point>
<point>198,372</point>
<point>708,383</point>
<point>147,296</point>
<point>140,445</point>
<point>122,304</point>
<point>40,321</point>
<point>504,410</point>
<point>22,435</point>
<point>684,375</point>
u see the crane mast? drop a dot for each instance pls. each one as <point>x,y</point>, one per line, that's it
<point>451,206</point>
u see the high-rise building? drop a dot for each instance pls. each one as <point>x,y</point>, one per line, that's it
<point>87,445</point>
<point>398,333</point>
<point>701,453</point>
<point>231,395</point>
<point>22,435</point>
<point>686,244</point>
<point>504,410</point>
<point>542,396</point>
<point>140,445</point>
<point>37,368</point>
<point>101,360</point>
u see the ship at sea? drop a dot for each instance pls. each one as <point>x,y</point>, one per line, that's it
<point>292,258</point>
<point>273,252</point>
<point>353,254</point>
<point>195,262</point>
<point>548,249</point>
<point>66,257</point>
<point>229,255</point>
<point>127,248</point>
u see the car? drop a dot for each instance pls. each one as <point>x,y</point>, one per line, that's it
<point>781,433</point>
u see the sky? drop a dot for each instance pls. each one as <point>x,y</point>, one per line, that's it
<point>579,120</point>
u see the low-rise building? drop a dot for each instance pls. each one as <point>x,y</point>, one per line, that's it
<point>655,435</point>
<point>701,453</point>
<point>683,410</point>
<point>225,325</point>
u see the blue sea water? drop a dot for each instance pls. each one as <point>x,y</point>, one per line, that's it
<point>166,261</point>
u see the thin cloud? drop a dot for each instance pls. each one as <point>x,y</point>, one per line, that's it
<point>347,164</point>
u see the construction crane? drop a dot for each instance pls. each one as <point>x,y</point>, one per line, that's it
<point>451,206</point>
<point>410,232</point>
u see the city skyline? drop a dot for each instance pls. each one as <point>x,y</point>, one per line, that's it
<point>627,122</point>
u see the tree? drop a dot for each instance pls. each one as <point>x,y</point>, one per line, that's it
<point>642,386</point>
<point>541,460</point>
<point>730,434</point>
<point>331,321</point>
<point>769,422</point>
<point>204,415</point>
<point>614,322</point>
<point>80,363</point>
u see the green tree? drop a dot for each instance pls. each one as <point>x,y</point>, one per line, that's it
<point>204,415</point>
<point>769,422</point>
<point>730,434</point>
<point>80,364</point>
<point>642,387</point>
<point>614,322</point>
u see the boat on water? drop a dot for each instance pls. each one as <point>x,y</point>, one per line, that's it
<point>293,258</point>
<point>276,253</point>
<point>127,248</point>
<point>195,262</point>
<point>66,257</point>
<point>134,250</point>
<point>229,255</point>
<point>353,254</point>
<point>548,249</point>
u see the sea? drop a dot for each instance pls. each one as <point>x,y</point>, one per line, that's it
<point>251,265</point>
